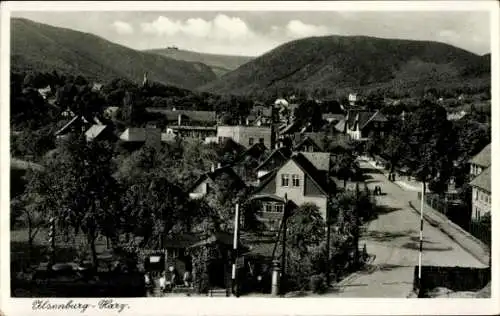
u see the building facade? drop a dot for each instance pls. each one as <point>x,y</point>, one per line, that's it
<point>481,194</point>
<point>247,135</point>
<point>480,171</point>
<point>299,182</point>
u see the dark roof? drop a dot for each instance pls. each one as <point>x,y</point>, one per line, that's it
<point>199,116</point>
<point>181,240</point>
<point>364,117</point>
<point>313,140</point>
<point>255,151</point>
<point>320,160</point>
<point>483,158</point>
<point>315,174</point>
<point>238,182</point>
<point>282,152</point>
<point>483,180</point>
<point>290,128</point>
<point>220,238</point>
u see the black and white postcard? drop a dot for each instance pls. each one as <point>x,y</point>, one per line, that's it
<point>249,158</point>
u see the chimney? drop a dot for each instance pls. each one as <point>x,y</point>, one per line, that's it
<point>218,165</point>
<point>179,119</point>
<point>212,168</point>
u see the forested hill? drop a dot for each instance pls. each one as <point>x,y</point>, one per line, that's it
<point>44,48</point>
<point>220,64</point>
<point>334,63</point>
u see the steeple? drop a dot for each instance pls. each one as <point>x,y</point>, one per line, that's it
<point>145,80</point>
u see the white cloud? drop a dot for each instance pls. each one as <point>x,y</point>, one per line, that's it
<point>448,34</point>
<point>222,27</point>
<point>123,27</point>
<point>297,28</point>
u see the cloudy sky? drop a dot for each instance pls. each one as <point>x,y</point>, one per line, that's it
<point>253,33</point>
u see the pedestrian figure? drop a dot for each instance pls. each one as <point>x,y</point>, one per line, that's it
<point>163,282</point>
<point>187,278</point>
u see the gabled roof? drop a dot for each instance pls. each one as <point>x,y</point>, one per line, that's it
<point>320,160</point>
<point>282,152</point>
<point>94,131</point>
<point>138,134</point>
<point>364,117</point>
<point>214,175</point>
<point>311,171</point>
<point>306,166</point>
<point>290,128</point>
<point>311,140</point>
<point>255,151</point>
<point>483,180</point>
<point>483,158</point>
<point>173,115</point>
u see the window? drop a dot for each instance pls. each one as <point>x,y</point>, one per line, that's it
<point>475,195</point>
<point>284,180</point>
<point>261,140</point>
<point>273,207</point>
<point>295,180</point>
<point>250,141</point>
<point>279,208</point>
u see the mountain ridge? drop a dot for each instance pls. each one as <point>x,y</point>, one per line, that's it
<point>41,47</point>
<point>353,62</point>
<point>220,64</point>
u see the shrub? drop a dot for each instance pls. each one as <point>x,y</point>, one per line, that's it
<point>318,284</point>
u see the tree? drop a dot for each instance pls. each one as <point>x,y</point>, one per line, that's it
<point>309,112</point>
<point>430,143</point>
<point>343,165</point>
<point>79,191</point>
<point>393,149</point>
<point>32,214</point>
<point>305,233</point>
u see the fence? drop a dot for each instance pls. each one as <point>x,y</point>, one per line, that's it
<point>453,278</point>
<point>460,215</point>
<point>481,231</point>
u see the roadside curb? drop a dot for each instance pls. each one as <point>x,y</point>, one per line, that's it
<point>480,254</point>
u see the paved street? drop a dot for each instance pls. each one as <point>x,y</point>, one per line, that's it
<point>394,240</point>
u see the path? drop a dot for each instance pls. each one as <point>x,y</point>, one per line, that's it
<point>394,240</point>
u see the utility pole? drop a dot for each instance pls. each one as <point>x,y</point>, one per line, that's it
<point>283,253</point>
<point>236,238</point>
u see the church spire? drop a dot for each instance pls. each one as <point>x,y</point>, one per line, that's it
<point>145,80</point>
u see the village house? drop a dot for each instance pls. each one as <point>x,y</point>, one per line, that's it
<point>298,181</point>
<point>353,98</point>
<point>247,135</point>
<point>186,123</point>
<point>308,142</point>
<point>210,181</point>
<point>332,118</point>
<point>361,125</point>
<point>260,116</point>
<point>100,132</point>
<point>276,159</point>
<point>481,183</point>
<point>481,194</point>
<point>480,161</point>
<point>151,136</point>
